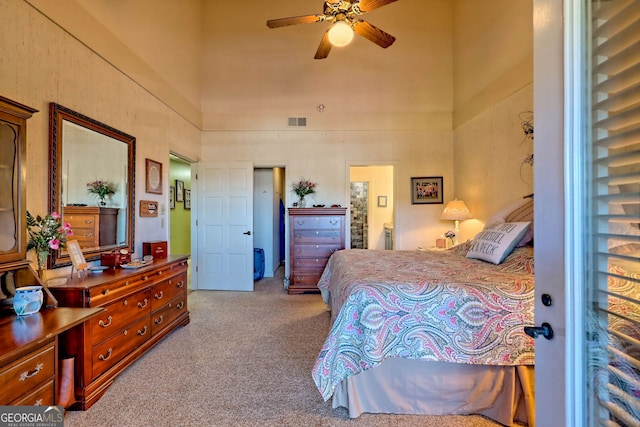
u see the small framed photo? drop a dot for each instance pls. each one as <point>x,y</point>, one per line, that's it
<point>426,190</point>
<point>153,176</point>
<point>172,197</point>
<point>77,258</point>
<point>382,201</point>
<point>179,191</point>
<point>187,198</point>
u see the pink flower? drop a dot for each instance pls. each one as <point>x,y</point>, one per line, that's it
<point>54,244</point>
<point>55,215</point>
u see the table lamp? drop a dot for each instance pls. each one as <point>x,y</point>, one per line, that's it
<point>456,211</point>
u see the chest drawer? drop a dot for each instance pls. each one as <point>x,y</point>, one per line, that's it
<point>315,251</point>
<point>119,314</point>
<point>317,236</point>
<point>168,314</point>
<point>27,373</point>
<point>112,350</point>
<point>167,290</point>
<point>324,222</point>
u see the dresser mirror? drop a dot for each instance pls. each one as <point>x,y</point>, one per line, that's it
<point>82,152</point>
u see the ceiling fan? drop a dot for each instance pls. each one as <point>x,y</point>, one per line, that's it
<point>343,15</point>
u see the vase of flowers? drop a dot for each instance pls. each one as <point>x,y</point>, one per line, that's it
<point>102,189</point>
<point>46,234</point>
<point>449,235</point>
<point>303,188</point>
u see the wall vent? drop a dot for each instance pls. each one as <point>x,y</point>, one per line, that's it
<point>297,121</point>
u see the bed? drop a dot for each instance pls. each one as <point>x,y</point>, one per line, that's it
<point>430,332</point>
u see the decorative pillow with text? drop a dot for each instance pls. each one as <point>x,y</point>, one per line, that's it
<point>496,241</point>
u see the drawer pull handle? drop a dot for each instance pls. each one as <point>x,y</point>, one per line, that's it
<point>38,402</point>
<point>333,221</point>
<point>106,325</point>
<point>160,273</point>
<point>180,305</point>
<point>317,232</point>
<point>145,278</point>
<point>30,374</point>
<point>88,234</point>
<point>106,291</point>
<point>102,357</point>
<point>159,295</point>
<point>180,284</point>
<point>143,331</point>
<point>143,303</point>
<point>159,320</point>
<point>333,250</point>
<point>88,221</point>
<point>126,283</point>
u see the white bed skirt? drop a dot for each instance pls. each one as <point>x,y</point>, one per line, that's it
<point>401,386</point>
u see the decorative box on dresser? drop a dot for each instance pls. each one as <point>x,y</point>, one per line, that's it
<point>141,306</point>
<point>316,233</point>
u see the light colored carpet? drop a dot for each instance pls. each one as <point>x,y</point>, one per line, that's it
<point>244,360</point>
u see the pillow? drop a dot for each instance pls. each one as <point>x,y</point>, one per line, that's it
<point>497,240</point>
<point>518,211</point>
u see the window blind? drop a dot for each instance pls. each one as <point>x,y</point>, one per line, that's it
<point>614,187</point>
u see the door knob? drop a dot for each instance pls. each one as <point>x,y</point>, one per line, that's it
<point>545,330</point>
<point>248,233</point>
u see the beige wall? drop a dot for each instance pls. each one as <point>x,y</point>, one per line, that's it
<point>442,102</point>
<point>40,63</point>
<point>493,61</point>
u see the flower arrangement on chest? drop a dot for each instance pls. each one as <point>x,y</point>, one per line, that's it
<point>303,188</point>
<point>45,234</point>
<point>102,189</point>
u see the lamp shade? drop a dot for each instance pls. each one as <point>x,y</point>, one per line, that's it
<point>456,210</point>
<point>340,34</point>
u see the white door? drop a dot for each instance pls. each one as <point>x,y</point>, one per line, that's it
<point>587,169</point>
<point>222,228</point>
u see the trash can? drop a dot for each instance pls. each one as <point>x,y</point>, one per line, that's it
<point>258,263</point>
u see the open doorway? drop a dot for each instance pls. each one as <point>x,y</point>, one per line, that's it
<point>269,217</point>
<point>371,205</point>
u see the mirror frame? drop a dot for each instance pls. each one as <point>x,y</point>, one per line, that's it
<point>58,113</point>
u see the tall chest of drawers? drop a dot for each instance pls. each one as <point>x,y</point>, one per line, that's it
<point>315,234</point>
<point>140,307</point>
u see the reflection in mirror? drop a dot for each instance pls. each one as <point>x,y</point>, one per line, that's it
<point>92,173</point>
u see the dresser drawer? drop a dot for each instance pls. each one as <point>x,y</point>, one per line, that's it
<point>168,290</point>
<point>119,314</point>
<point>309,263</point>
<point>306,277</point>
<point>167,314</point>
<point>169,270</point>
<point>27,373</point>
<point>317,236</point>
<point>111,351</point>
<point>42,396</point>
<point>317,222</point>
<point>108,292</point>
<point>315,251</point>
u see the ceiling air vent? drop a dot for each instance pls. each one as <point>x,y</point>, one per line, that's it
<point>297,121</point>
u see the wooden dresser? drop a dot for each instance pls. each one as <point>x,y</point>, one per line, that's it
<point>316,233</point>
<point>141,306</point>
<point>92,226</point>
<point>29,350</point>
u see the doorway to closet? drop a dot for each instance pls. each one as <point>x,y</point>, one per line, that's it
<point>269,217</point>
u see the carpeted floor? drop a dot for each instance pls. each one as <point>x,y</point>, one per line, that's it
<point>244,360</point>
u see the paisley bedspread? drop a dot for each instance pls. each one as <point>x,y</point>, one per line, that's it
<point>438,306</point>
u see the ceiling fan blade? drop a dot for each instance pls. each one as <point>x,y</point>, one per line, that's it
<point>294,20</point>
<point>369,5</point>
<point>324,48</point>
<point>373,33</point>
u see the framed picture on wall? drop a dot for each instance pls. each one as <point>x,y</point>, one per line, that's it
<point>179,191</point>
<point>426,190</point>
<point>153,176</point>
<point>172,197</point>
<point>187,199</point>
<point>382,201</point>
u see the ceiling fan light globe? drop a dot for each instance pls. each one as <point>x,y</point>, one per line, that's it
<point>340,34</point>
